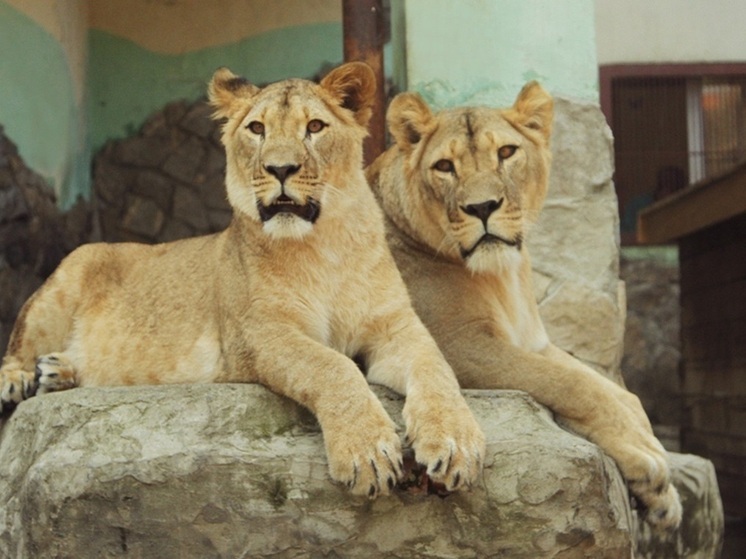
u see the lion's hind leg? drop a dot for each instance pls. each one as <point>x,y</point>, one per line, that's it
<point>43,328</point>
<point>16,384</point>
<point>53,372</point>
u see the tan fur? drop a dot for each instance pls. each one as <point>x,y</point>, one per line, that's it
<point>284,300</point>
<point>476,298</point>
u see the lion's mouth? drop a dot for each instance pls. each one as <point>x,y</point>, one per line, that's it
<point>489,238</point>
<point>284,204</point>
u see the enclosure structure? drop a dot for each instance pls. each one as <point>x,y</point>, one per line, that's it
<point>708,221</point>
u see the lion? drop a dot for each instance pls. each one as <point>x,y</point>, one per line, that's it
<point>460,189</point>
<point>299,284</point>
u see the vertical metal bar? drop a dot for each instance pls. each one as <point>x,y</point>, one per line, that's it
<point>363,28</point>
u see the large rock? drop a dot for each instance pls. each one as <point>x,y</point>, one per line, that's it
<point>575,244</point>
<point>236,471</point>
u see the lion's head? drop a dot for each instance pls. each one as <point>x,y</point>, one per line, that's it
<point>292,145</point>
<point>467,182</point>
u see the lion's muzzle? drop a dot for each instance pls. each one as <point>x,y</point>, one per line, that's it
<point>284,204</point>
<point>489,238</point>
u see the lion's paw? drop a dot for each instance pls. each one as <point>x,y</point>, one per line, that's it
<point>365,455</point>
<point>16,385</point>
<point>54,372</point>
<point>658,499</point>
<point>449,442</point>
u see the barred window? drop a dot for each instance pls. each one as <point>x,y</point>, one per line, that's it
<point>671,131</point>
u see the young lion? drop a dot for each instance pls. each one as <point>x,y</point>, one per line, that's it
<point>460,189</point>
<point>298,283</point>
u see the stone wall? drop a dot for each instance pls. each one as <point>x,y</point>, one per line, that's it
<point>575,244</point>
<point>34,234</point>
<point>165,182</point>
<point>652,344</point>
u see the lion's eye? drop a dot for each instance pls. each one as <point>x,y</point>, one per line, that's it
<point>444,166</point>
<point>256,127</point>
<point>315,125</point>
<point>506,151</point>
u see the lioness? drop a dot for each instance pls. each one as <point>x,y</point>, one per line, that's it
<point>301,281</point>
<point>460,190</point>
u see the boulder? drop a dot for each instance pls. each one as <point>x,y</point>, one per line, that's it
<point>225,471</point>
<point>574,246</point>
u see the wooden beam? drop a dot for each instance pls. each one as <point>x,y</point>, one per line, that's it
<point>365,32</point>
<point>698,206</point>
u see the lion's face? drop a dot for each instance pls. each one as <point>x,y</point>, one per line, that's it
<point>481,174</point>
<point>290,145</point>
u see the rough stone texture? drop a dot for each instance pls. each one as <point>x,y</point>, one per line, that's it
<point>166,182</point>
<point>575,244</point>
<point>652,347</point>
<point>234,471</point>
<point>34,234</point>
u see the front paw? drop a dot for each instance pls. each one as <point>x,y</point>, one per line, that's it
<point>54,372</point>
<point>364,453</point>
<point>447,440</point>
<point>660,504</point>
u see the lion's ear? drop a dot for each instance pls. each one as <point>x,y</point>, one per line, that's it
<point>409,118</point>
<point>353,85</point>
<point>534,108</point>
<point>227,92</point>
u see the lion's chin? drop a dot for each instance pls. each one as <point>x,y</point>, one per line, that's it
<point>492,257</point>
<point>287,226</point>
<point>286,219</point>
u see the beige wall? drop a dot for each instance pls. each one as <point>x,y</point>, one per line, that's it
<point>169,27</point>
<point>647,31</point>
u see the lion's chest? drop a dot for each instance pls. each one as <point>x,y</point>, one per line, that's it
<point>514,313</point>
<point>330,296</point>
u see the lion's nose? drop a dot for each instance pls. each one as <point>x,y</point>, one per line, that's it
<point>282,172</point>
<point>483,210</point>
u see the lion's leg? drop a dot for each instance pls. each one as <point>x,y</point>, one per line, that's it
<point>443,433</point>
<point>622,429</point>
<point>585,401</point>
<point>31,364</point>
<point>362,445</point>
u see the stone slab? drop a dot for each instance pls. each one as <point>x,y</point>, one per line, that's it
<point>226,471</point>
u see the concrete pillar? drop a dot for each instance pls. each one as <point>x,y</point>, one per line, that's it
<point>469,52</point>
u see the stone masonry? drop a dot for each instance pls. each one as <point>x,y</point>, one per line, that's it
<point>34,234</point>
<point>166,182</point>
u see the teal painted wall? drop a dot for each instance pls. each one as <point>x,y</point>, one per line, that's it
<point>483,51</point>
<point>128,82</point>
<point>37,105</point>
<point>125,83</point>
<point>452,51</point>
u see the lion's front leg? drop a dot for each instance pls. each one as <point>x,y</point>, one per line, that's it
<point>362,445</point>
<point>582,399</point>
<point>441,429</point>
<point>614,418</point>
